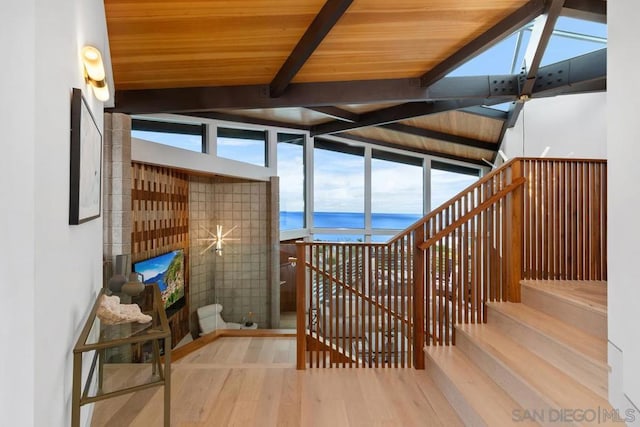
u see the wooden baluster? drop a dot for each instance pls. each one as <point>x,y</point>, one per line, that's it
<point>301,332</point>
<point>515,232</point>
<point>418,299</point>
<point>472,248</point>
<point>319,300</point>
<point>562,202</point>
<point>341,295</point>
<point>402,305</point>
<point>409,247</point>
<point>603,224</point>
<point>459,261</point>
<point>597,220</point>
<point>466,262</point>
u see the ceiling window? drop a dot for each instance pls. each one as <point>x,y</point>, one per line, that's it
<point>574,37</point>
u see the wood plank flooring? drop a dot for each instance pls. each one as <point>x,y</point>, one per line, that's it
<point>253,381</point>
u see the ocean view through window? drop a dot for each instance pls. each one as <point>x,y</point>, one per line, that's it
<point>291,171</point>
<point>338,185</point>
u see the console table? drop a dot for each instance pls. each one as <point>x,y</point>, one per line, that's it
<point>100,339</point>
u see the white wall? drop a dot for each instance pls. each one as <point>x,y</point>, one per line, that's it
<point>623,137</point>
<point>17,280</point>
<point>571,125</point>
<point>55,270</point>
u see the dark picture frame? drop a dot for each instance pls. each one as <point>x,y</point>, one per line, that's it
<point>85,172</point>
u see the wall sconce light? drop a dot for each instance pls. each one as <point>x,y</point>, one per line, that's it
<point>94,73</point>
<point>216,240</point>
<point>292,260</point>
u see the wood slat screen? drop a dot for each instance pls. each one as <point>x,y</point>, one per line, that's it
<point>565,206</point>
<point>160,224</point>
<point>377,305</point>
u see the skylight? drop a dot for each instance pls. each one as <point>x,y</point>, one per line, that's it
<point>571,37</point>
<point>574,37</point>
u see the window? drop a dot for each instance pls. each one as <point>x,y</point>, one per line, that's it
<point>448,180</point>
<point>248,146</point>
<point>396,190</point>
<point>179,135</point>
<point>291,173</point>
<point>338,185</point>
<point>574,37</point>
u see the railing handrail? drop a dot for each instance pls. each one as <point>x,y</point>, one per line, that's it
<point>452,201</point>
<point>475,211</point>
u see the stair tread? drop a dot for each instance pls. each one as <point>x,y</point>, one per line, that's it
<point>561,390</point>
<point>588,294</point>
<point>486,397</point>
<point>590,346</point>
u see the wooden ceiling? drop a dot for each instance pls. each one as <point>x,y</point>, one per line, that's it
<point>368,69</point>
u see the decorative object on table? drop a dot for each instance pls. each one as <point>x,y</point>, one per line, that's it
<point>217,239</point>
<point>86,162</point>
<point>134,286</point>
<point>111,312</point>
<point>248,321</point>
<point>118,279</point>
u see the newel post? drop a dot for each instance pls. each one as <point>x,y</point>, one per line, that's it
<point>418,298</point>
<point>300,306</point>
<point>515,234</point>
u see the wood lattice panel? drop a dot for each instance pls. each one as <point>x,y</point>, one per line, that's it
<point>160,205</point>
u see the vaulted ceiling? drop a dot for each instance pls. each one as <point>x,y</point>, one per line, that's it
<point>367,70</point>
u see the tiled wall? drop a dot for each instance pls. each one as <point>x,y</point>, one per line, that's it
<point>116,196</point>
<point>240,278</point>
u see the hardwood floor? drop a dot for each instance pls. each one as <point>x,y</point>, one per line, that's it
<point>253,381</point>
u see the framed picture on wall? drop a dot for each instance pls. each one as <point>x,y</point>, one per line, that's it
<point>85,199</point>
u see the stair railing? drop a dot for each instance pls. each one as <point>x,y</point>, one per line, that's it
<point>377,305</point>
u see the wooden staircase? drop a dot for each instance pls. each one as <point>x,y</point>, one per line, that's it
<point>542,361</point>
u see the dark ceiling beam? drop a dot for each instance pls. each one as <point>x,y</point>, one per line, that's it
<point>179,100</point>
<point>394,114</point>
<point>245,119</point>
<point>490,37</point>
<point>440,136</point>
<point>591,10</point>
<point>591,67</point>
<point>324,21</point>
<point>584,87</point>
<point>460,92</point>
<point>474,87</point>
<point>182,100</point>
<point>490,113</point>
<point>336,113</point>
<point>585,73</point>
<point>514,113</point>
<point>540,36</point>
<point>410,149</point>
<point>503,131</point>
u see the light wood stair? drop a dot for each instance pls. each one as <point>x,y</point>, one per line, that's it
<point>529,364</point>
